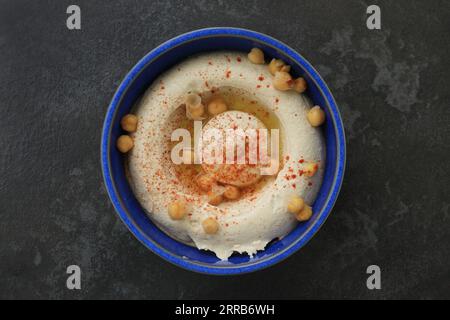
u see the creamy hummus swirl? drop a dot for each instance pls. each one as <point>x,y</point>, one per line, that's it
<point>246,225</point>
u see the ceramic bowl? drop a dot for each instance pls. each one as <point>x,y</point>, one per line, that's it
<point>139,79</point>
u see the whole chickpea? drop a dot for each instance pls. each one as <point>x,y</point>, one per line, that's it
<point>205,181</point>
<point>282,81</point>
<point>299,85</point>
<point>193,100</point>
<point>129,123</point>
<point>124,143</point>
<point>194,107</point>
<point>214,199</point>
<point>177,210</point>
<point>286,68</point>
<point>231,192</point>
<point>316,116</point>
<point>304,214</point>
<point>275,65</point>
<point>310,169</point>
<point>195,113</point>
<point>216,106</point>
<point>296,204</point>
<point>256,56</point>
<point>210,225</point>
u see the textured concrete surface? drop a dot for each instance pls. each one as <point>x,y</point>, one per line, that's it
<point>392,88</point>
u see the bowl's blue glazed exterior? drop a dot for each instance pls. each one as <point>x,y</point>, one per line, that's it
<point>133,86</point>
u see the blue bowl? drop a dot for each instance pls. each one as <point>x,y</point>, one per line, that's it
<point>140,78</point>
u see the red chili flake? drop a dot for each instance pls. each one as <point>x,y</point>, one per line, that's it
<point>300,172</point>
<point>293,176</point>
<point>301,161</point>
<point>258,86</point>
<point>261,78</point>
<point>239,59</point>
<point>294,185</point>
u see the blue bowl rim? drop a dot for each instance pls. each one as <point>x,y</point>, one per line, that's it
<point>337,125</point>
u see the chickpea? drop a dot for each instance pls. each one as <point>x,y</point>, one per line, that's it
<point>177,210</point>
<point>304,214</point>
<point>214,199</point>
<point>205,181</point>
<point>125,143</point>
<point>129,123</point>
<point>231,192</point>
<point>194,106</point>
<point>296,204</point>
<point>217,106</point>
<point>195,113</point>
<point>286,68</point>
<point>310,169</point>
<point>275,65</point>
<point>193,100</point>
<point>210,225</point>
<point>299,85</point>
<point>256,56</point>
<point>316,116</point>
<point>282,81</point>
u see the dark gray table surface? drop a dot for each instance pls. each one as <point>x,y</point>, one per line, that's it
<point>392,89</point>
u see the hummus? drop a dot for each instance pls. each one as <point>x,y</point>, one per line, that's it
<point>260,215</point>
